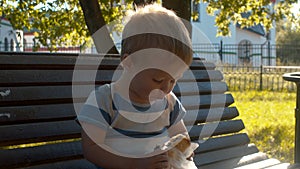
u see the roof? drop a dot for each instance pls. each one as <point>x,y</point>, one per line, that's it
<point>258,28</point>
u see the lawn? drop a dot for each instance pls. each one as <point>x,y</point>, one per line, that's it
<point>269,121</point>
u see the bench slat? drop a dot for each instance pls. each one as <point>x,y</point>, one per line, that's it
<point>70,59</point>
<point>252,158</point>
<point>50,153</point>
<point>261,164</point>
<point>52,77</point>
<point>57,77</point>
<point>70,164</point>
<point>222,155</point>
<point>55,112</point>
<point>279,166</point>
<point>37,113</point>
<point>83,91</point>
<point>202,75</point>
<point>206,101</point>
<point>196,88</point>
<point>217,143</point>
<point>216,128</point>
<point>233,162</point>
<point>38,132</point>
<point>21,58</point>
<point>49,131</point>
<point>63,94</point>
<point>210,115</point>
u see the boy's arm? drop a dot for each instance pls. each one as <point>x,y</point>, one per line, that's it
<point>105,159</point>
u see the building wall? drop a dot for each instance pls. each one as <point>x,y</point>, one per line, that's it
<point>10,39</point>
<point>204,31</point>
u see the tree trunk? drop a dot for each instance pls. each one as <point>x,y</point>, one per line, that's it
<point>182,9</point>
<point>97,27</point>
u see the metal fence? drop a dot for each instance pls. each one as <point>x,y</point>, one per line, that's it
<point>239,78</point>
<point>244,53</point>
<point>247,54</point>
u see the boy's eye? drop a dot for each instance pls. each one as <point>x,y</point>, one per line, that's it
<point>158,80</point>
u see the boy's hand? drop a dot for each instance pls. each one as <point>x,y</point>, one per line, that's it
<point>156,162</point>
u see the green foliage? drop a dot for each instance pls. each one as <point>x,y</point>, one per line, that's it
<point>288,40</point>
<point>61,22</point>
<point>57,22</point>
<point>261,12</point>
<point>269,121</point>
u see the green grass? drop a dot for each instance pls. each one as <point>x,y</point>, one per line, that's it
<point>269,121</point>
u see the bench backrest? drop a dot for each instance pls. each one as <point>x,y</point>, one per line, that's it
<point>37,112</point>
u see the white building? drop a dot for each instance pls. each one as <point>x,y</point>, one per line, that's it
<point>242,47</point>
<point>10,39</point>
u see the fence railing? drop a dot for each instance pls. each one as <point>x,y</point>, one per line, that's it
<point>244,53</point>
<point>239,78</point>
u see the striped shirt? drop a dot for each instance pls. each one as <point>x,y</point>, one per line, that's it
<point>131,128</point>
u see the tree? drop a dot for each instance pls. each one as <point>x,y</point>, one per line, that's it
<point>61,22</point>
<point>58,22</point>
<point>261,12</point>
<point>288,42</point>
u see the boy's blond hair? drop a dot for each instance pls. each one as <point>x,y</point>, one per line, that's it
<point>154,26</point>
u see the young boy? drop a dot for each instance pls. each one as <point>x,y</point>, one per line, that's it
<point>124,122</point>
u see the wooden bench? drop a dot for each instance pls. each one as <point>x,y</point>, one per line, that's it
<point>38,130</point>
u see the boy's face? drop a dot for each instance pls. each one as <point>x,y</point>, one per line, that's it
<point>149,85</point>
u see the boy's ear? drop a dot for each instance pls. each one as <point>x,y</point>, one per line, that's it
<point>124,56</point>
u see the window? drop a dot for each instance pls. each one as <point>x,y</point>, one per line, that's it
<point>5,44</point>
<point>245,50</point>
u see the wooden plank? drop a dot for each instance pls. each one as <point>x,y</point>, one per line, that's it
<point>204,65</point>
<point>24,58</point>
<point>13,158</point>
<point>46,92</point>
<point>233,162</point>
<point>70,164</point>
<point>53,77</point>
<point>280,166</point>
<point>261,164</point>
<point>69,58</point>
<point>209,115</point>
<point>252,158</point>
<point>216,128</point>
<point>82,91</point>
<point>37,113</point>
<point>224,154</point>
<point>217,143</point>
<point>196,88</point>
<point>38,132</point>
<point>202,75</point>
<point>206,101</point>
<point>43,77</point>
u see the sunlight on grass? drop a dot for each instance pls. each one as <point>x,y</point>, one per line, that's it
<point>269,121</point>
<point>40,144</point>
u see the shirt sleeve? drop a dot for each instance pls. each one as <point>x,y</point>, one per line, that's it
<point>93,113</point>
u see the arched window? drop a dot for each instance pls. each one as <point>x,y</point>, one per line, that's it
<point>5,44</point>
<point>12,45</point>
<point>245,50</point>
